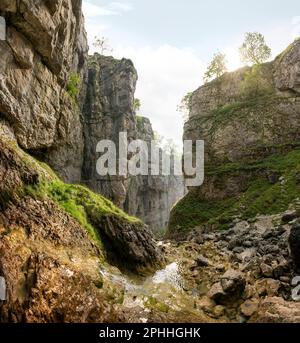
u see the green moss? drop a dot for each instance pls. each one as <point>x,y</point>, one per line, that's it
<point>73,85</point>
<point>81,203</point>
<point>152,303</point>
<point>139,122</point>
<point>260,196</point>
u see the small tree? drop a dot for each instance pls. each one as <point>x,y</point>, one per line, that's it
<point>254,49</point>
<point>137,105</point>
<point>216,68</point>
<point>102,44</point>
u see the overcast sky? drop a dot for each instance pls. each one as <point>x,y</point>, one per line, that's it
<point>171,42</point>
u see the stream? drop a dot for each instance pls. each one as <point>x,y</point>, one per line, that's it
<point>166,290</point>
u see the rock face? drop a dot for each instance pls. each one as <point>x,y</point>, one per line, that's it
<point>108,111</point>
<point>55,236</point>
<point>157,194</point>
<point>251,157</point>
<point>44,246</point>
<point>46,42</point>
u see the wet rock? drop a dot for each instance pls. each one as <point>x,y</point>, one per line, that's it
<point>202,261</point>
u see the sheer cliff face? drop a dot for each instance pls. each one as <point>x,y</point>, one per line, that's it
<point>251,128</point>
<point>46,42</point>
<point>109,110</point>
<point>156,194</point>
<point>234,123</point>
<point>55,236</point>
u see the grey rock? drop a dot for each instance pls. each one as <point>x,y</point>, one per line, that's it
<point>233,282</point>
<point>266,270</point>
<point>216,292</point>
<point>289,216</point>
<point>202,261</point>
<point>238,250</point>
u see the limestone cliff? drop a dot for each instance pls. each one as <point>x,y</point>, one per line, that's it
<point>250,125</point>
<point>46,43</point>
<point>156,194</point>
<point>109,110</point>
<point>54,237</point>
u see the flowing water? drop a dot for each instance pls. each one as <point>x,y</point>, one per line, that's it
<point>166,289</point>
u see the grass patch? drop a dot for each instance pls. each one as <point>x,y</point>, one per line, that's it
<point>261,196</point>
<point>81,203</point>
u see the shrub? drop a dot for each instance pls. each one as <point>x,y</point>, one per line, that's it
<point>73,86</point>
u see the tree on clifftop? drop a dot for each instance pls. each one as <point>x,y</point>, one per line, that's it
<point>102,44</point>
<point>216,68</point>
<point>254,49</point>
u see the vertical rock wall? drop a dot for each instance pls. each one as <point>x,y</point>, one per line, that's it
<point>108,110</point>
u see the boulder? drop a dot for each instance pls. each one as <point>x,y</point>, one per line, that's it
<point>276,310</point>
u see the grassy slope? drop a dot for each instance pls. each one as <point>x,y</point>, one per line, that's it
<point>261,196</point>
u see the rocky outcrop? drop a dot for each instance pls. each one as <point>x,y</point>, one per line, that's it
<point>276,310</point>
<point>45,44</point>
<point>52,247</point>
<point>156,194</point>
<point>249,120</point>
<point>108,111</point>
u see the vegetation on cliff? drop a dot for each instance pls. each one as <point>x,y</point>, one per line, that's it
<point>273,185</point>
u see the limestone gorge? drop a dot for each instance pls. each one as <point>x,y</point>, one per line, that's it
<point>77,247</point>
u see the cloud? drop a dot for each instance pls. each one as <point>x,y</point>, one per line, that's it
<point>91,10</point>
<point>296,27</point>
<point>115,8</point>
<point>121,6</point>
<point>166,74</point>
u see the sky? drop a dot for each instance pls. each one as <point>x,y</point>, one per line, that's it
<point>171,42</point>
